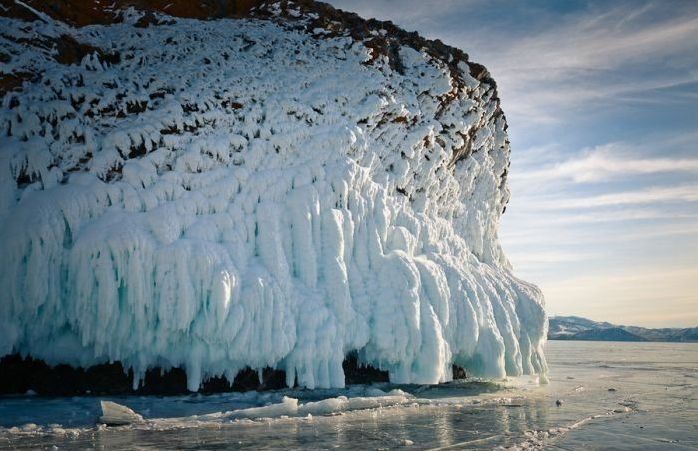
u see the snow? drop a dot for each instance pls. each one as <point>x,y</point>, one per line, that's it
<point>279,202</point>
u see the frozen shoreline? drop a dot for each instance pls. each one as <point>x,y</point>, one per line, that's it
<point>642,394</point>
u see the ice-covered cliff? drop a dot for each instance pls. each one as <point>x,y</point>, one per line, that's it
<point>276,186</point>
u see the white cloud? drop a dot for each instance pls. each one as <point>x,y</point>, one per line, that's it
<point>594,59</point>
<point>600,43</point>
<point>534,238</point>
<point>651,195</point>
<point>609,162</point>
<point>624,216</point>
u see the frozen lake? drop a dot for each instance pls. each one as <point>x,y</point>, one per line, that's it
<point>614,395</point>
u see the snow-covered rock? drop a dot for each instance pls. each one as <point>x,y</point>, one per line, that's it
<point>251,192</point>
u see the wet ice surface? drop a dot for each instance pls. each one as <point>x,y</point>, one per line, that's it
<point>614,395</point>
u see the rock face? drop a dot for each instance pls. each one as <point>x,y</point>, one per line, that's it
<point>279,186</point>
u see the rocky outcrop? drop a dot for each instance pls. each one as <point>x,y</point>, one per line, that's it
<point>219,187</point>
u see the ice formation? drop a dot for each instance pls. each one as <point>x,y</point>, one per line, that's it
<point>256,192</point>
<point>114,414</point>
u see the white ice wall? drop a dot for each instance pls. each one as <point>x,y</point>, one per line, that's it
<point>294,203</point>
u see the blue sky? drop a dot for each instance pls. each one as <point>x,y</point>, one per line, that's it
<point>602,103</point>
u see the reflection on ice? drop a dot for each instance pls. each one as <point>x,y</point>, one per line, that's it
<point>653,406</point>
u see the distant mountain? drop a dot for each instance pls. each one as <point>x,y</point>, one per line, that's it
<point>576,328</point>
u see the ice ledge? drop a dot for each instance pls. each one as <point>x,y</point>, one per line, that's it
<point>230,194</point>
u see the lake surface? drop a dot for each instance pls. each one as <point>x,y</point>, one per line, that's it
<point>614,396</point>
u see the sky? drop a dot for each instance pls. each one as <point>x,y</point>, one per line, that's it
<point>602,104</point>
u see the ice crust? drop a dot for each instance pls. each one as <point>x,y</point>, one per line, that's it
<point>287,407</point>
<point>281,200</point>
